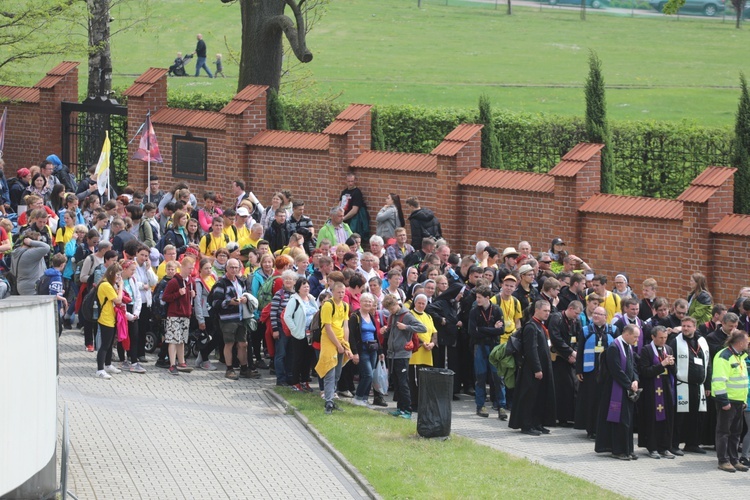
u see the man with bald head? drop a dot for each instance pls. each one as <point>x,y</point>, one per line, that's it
<point>200,53</point>
<point>596,336</point>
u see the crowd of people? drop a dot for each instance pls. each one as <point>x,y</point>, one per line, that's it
<point>242,283</point>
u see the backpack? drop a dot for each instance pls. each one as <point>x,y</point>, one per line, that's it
<point>90,306</point>
<point>265,292</point>
<point>514,346</point>
<point>284,326</point>
<point>42,285</point>
<point>316,327</point>
<point>158,306</point>
<point>209,238</point>
<point>77,271</point>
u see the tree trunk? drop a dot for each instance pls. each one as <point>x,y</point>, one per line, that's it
<point>583,10</point>
<point>263,22</point>
<point>100,57</point>
<point>510,8</point>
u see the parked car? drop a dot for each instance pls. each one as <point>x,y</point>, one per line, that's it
<point>596,4</point>
<point>706,7</point>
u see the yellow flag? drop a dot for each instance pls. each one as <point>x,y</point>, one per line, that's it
<point>102,168</point>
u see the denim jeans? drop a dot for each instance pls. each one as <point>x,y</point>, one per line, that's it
<point>279,359</point>
<point>331,379</point>
<point>201,63</point>
<point>481,367</point>
<point>367,361</point>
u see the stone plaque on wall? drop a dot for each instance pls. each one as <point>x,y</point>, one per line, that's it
<point>189,157</point>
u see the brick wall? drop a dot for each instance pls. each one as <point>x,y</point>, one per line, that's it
<point>639,239</point>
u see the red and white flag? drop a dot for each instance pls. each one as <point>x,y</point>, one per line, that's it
<point>3,121</point>
<point>148,148</point>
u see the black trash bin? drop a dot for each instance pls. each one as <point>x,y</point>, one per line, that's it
<point>435,400</point>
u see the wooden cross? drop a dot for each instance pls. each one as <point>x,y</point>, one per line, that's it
<point>658,391</point>
<point>660,409</point>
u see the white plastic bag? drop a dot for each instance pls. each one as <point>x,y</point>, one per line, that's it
<point>380,378</point>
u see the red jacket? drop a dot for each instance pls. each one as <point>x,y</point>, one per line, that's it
<point>178,306</point>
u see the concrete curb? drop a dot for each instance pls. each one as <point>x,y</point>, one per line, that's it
<point>358,477</point>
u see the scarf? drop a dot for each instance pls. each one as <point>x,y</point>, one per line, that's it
<point>615,400</point>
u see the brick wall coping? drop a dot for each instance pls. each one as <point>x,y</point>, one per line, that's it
<point>734,225</point>
<point>189,118</point>
<point>634,206</point>
<point>404,162</point>
<point>290,140</point>
<point>509,180</point>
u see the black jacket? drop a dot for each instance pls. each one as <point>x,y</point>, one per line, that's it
<point>444,312</point>
<point>17,188</point>
<point>277,236</point>
<point>423,224</point>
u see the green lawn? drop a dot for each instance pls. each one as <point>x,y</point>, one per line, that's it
<point>387,451</point>
<point>389,51</point>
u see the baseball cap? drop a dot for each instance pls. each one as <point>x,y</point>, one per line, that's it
<point>243,212</point>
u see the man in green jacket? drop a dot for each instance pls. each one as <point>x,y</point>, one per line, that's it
<point>335,230</point>
<point>729,389</point>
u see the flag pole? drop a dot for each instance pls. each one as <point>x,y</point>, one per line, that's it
<point>148,142</point>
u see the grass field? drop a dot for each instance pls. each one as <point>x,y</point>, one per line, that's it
<point>398,464</point>
<point>390,51</point>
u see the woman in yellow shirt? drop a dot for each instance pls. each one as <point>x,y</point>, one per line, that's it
<point>423,357</point>
<point>109,292</point>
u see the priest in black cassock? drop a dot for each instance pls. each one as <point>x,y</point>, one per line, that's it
<point>534,397</point>
<point>616,410</point>
<point>564,333</point>
<point>656,370</point>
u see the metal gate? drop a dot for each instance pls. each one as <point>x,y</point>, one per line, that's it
<point>83,128</point>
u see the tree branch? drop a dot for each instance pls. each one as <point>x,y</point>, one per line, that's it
<point>295,35</point>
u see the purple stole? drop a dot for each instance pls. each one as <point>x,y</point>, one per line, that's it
<point>661,409</point>
<point>615,400</point>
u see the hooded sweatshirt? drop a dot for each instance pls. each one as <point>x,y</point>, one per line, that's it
<point>396,338</point>
<point>423,224</point>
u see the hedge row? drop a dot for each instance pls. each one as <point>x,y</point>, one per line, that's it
<point>651,158</point>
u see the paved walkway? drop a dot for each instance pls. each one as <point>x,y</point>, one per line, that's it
<point>200,435</point>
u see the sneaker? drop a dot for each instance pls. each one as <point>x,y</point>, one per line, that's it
<point>103,374</point>
<point>395,413</point>
<point>727,467</point>
<point>173,370</point>
<point>335,395</point>
<point>359,402</point>
<point>142,359</point>
<point>667,454</point>
<point>162,363</point>
<point>406,415</point>
<point>231,374</point>
<point>502,414</point>
<point>345,394</point>
<point>745,461</point>
<point>112,369</point>
<point>137,368</point>
<point>125,365</point>
<point>206,365</point>
<point>261,364</point>
<point>337,407</point>
<point>198,360</point>
<point>183,367</point>
<point>306,387</point>
<point>655,454</point>
<point>482,412</point>
<point>329,409</point>
<point>296,387</point>
<point>90,348</point>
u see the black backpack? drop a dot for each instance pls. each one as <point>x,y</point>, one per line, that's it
<point>514,346</point>
<point>158,306</point>
<point>42,285</point>
<point>90,306</point>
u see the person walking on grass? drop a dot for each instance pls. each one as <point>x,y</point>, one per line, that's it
<point>179,295</point>
<point>200,53</point>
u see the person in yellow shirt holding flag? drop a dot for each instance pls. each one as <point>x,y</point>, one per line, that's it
<point>334,344</point>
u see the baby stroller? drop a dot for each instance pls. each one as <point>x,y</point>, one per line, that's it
<point>178,68</point>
